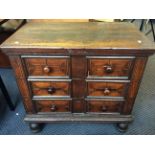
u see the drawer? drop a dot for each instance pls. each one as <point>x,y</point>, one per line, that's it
<point>50,88</point>
<point>53,106</point>
<point>110,67</point>
<point>104,106</point>
<point>47,66</point>
<point>113,89</point>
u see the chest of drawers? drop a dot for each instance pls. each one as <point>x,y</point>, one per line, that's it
<point>78,71</point>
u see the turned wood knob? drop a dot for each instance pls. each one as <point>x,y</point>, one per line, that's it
<point>53,107</point>
<point>108,68</point>
<point>51,90</point>
<point>104,108</point>
<point>47,69</point>
<point>106,91</point>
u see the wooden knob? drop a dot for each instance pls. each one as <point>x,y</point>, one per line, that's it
<point>47,69</point>
<point>53,107</point>
<point>104,108</point>
<point>106,91</point>
<point>108,68</point>
<point>51,90</point>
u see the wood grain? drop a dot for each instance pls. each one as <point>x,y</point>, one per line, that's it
<point>104,106</point>
<point>57,67</point>
<point>75,35</point>
<point>79,106</point>
<point>119,67</point>
<point>51,88</point>
<point>79,67</point>
<point>106,89</point>
<point>82,73</point>
<point>135,83</point>
<point>53,106</point>
<point>22,83</point>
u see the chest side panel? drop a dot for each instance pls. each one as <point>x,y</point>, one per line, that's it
<point>21,79</point>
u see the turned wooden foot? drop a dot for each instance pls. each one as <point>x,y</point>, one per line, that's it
<point>122,127</point>
<point>35,127</point>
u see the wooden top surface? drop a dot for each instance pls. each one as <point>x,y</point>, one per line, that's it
<point>92,35</point>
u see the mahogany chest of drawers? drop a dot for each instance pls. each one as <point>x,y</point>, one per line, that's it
<point>78,71</point>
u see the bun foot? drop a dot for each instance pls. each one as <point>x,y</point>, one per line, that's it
<point>122,127</point>
<point>35,127</point>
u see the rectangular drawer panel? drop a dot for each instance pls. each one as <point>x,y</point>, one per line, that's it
<point>50,88</point>
<point>53,106</point>
<point>114,67</point>
<point>104,106</point>
<point>47,66</point>
<point>114,89</point>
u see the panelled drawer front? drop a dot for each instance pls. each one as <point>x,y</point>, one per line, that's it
<point>53,106</point>
<point>114,67</point>
<point>104,106</point>
<point>47,66</point>
<point>106,89</point>
<point>51,88</point>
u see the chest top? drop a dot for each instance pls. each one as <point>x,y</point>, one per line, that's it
<point>79,36</point>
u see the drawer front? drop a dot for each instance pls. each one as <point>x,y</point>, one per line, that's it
<point>106,89</point>
<point>47,66</point>
<point>104,106</point>
<point>51,88</point>
<point>53,106</point>
<point>109,67</point>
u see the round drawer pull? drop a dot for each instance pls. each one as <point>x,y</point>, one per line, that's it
<point>104,108</point>
<point>108,68</point>
<point>51,90</point>
<point>106,91</point>
<point>47,69</point>
<point>53,107</point>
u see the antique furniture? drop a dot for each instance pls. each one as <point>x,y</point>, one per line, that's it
<point>78,71</point>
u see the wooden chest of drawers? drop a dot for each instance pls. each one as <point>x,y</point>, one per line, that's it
<point>78,71</point>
